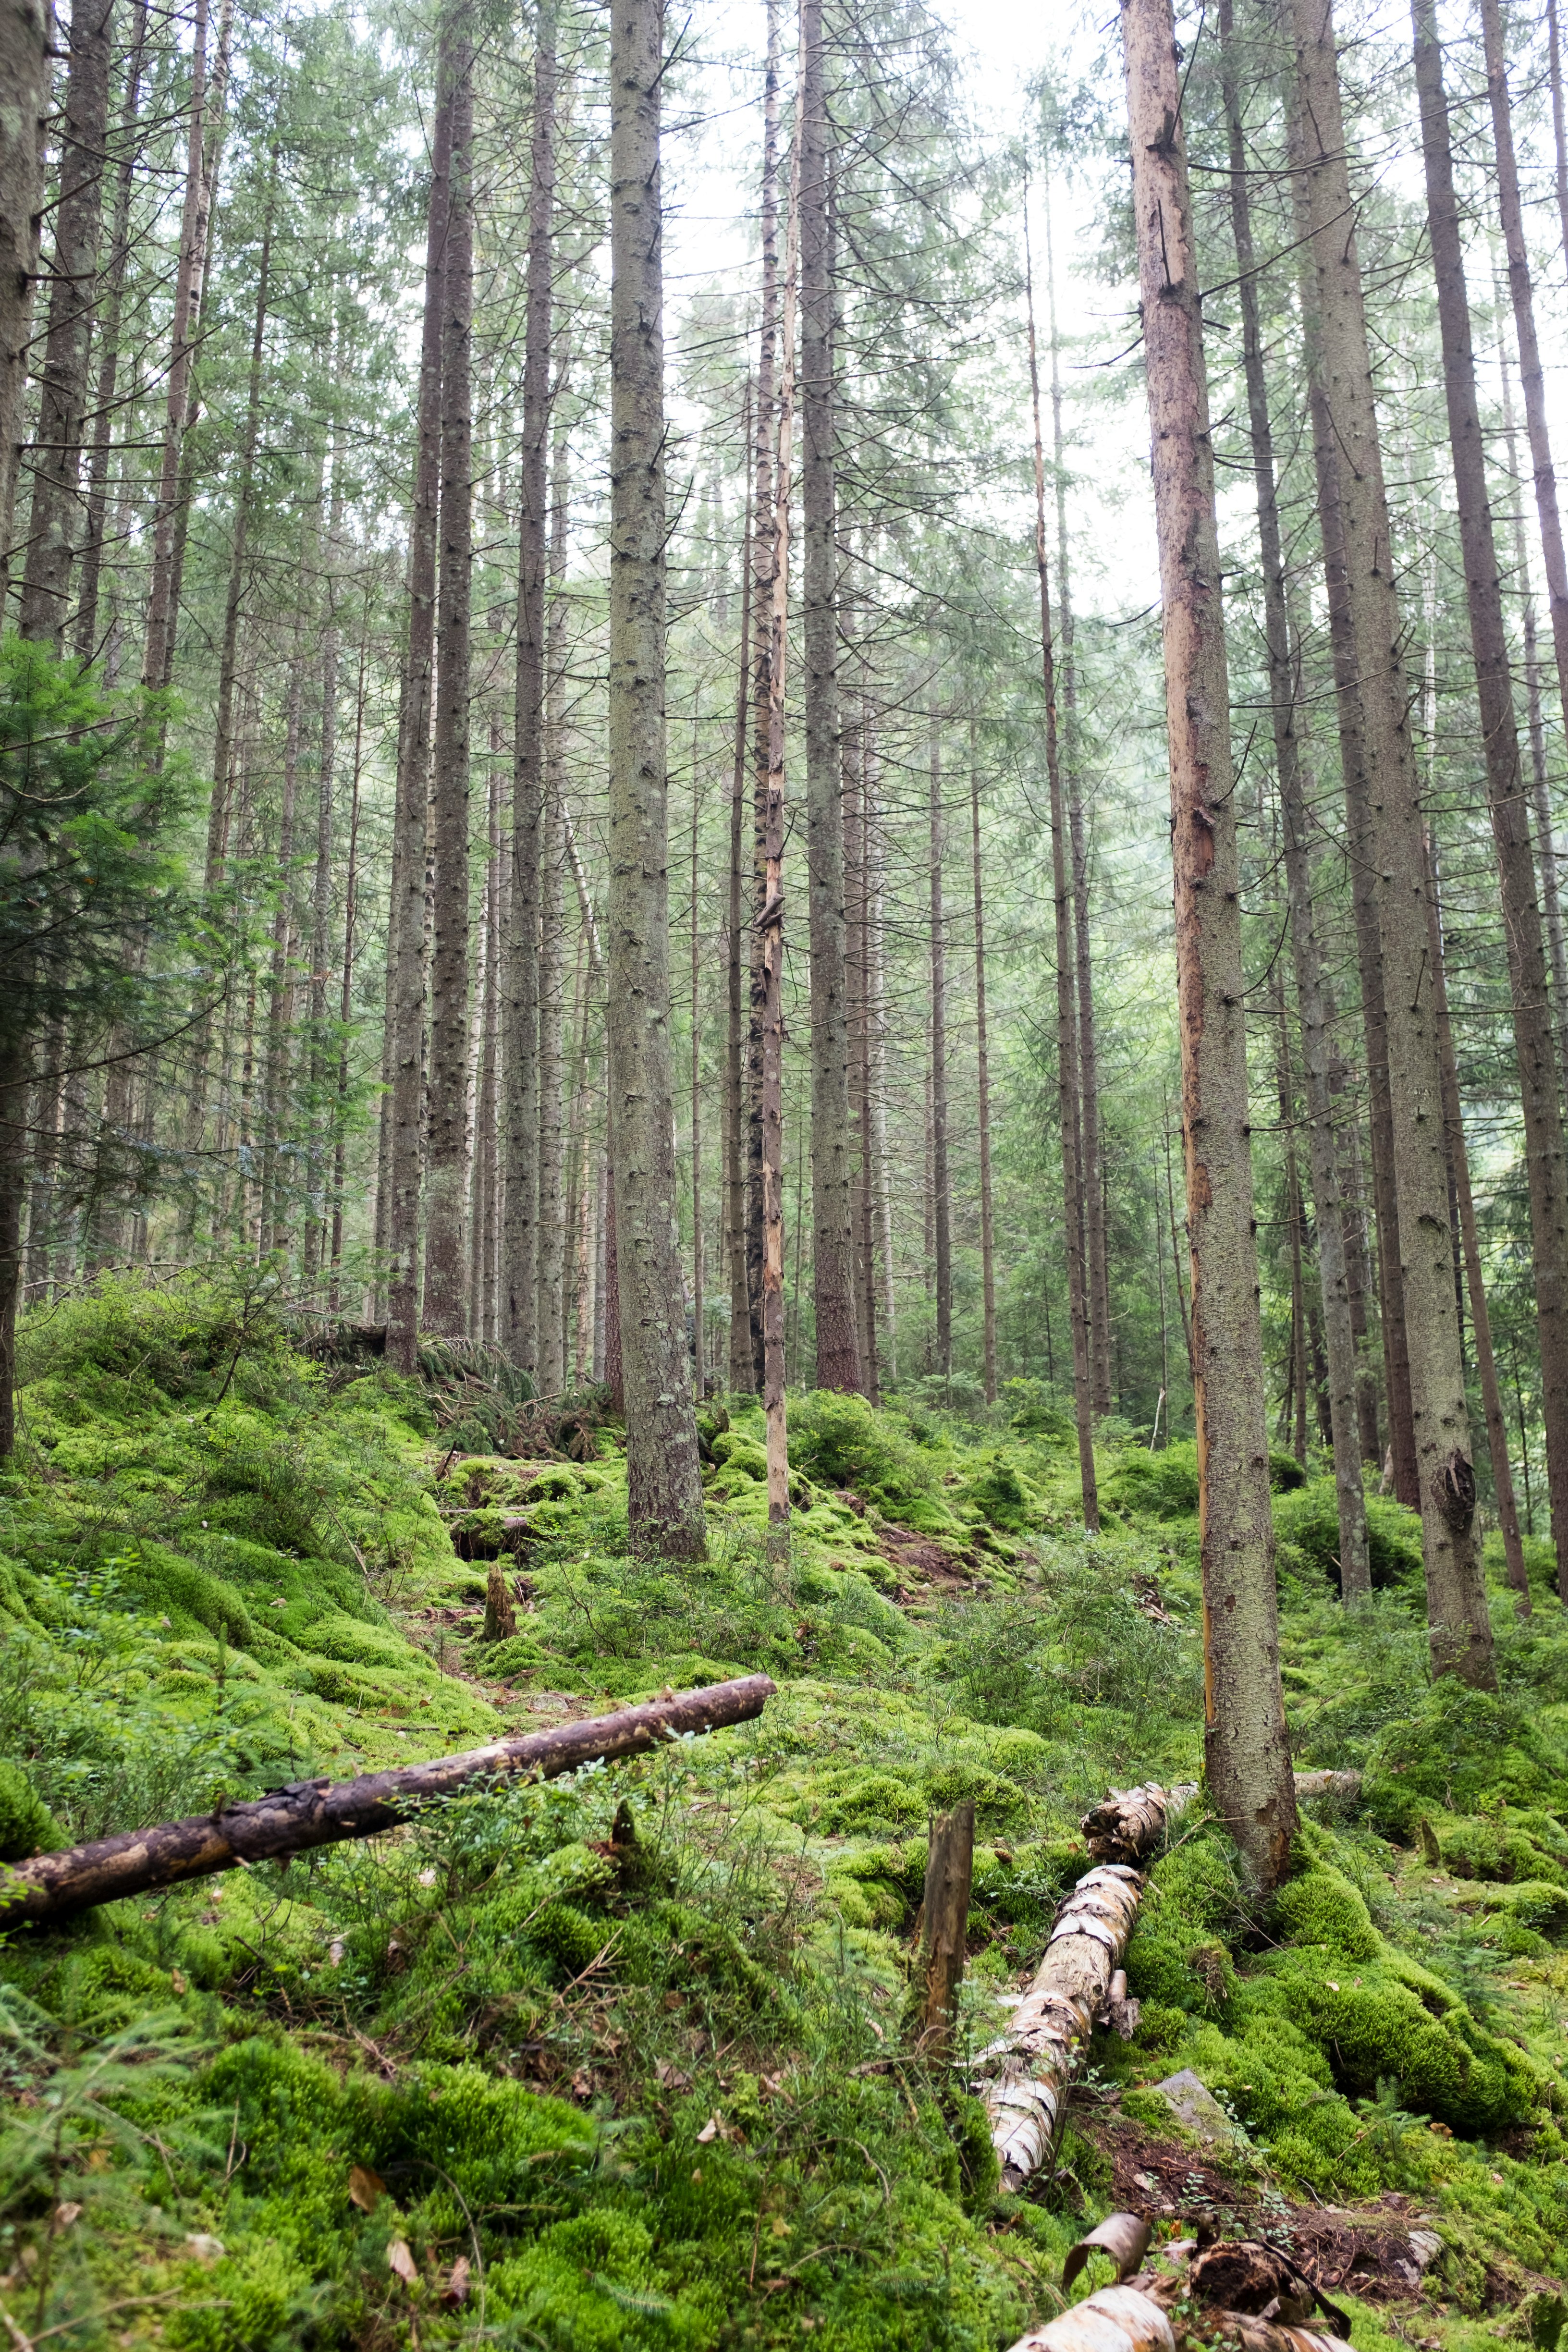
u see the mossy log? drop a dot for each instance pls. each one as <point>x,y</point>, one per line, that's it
<point>1024,2076</point>
<point>309,1813</point>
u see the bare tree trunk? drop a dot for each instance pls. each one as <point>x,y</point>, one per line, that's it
<point>742,1371</point>
<point>833,1236</point>
<point>1459,1630</point>
<point>25,77</point>
<point>1533,385</point>
<point>1559,136</point>
<point>1091,1193</point>
<point>877,1078</point>
<point>941,1206</point>
<point>551,1249</point>
<point>983,1075</point>
<point>320,925</point>
<point>770,920</point>
<point>1546,1160</point>
<point>275,1120</point>
<point>346,987</point>
<point>158,655</point>
<point>765,525</point>
<point>1486,1361</point>
<point>1070,1116</point>
<point>1311,990</point>
<point>698,1353</point>
<point>1352,735</point>
<point>57,518</point>
<point>406,926</point>
<point>664,1479</point>
<point>446,1152</point>
<point>95,503</point>
<point>521,1054</point>
<point>859,817</point>
<point>1247,1753</point>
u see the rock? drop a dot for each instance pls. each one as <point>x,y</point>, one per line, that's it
<point>1195,2106</point>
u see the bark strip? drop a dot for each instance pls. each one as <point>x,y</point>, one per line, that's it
<point>309,1813</point>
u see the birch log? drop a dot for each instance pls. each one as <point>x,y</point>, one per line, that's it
<point>316,1812</point>
<point>1125,2319</point>
<point>1024,2076</point>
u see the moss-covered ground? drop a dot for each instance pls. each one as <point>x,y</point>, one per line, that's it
<point>626,2061</point>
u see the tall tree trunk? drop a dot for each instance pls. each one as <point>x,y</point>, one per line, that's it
<point>277,1124</point>
<point>56,519</point>
<point>833,1236</point>
<point>346,987</point>
<point>1459,1628</point>
<point>1559,131</point>
<point>1247,1753</point>
<point>552,1250</point>
<point>25,76</point>
<point>1486,1361</point>
<point>1534,1044</point>
<point>698,1353</point>
<point>521,1058</point>
<point>983,1081</point>
<point>664,1479</point>
<point>743,1378</point>
<point>95,501</point>
<point>940,1204</point>
<point>1533,385</point>
<point>1091,1191</point>
<point>317,1121</point>
<point>158,653</point>
<point>1353,767</point>
<point>1070,1114</point>
<point>1312,989</point>
<point>405,925</point>
<point>765,525</point>
<point>446,1152</point>
<point>770,920</point>
<point>858,867</point>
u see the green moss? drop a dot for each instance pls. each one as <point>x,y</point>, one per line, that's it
<point>26,1824</point>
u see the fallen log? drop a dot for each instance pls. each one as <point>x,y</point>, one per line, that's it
<point>1127,2319</point>
<point>307,1813</point>
<point>1024,2076</point>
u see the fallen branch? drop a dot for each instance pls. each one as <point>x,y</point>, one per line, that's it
<point>1024,2076</point>
<point>309,1813</point>
<point>1125,2319</point>
<point>1135,2315</point>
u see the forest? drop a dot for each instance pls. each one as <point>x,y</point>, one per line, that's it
<point>783,1194</point>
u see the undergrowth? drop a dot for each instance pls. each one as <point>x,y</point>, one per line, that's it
<point>626,2060</point>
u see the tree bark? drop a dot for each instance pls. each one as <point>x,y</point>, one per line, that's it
<point>1247,1753</point>
<point>520,1239</point>
<point>95,503</point>
<point>1481,1319</point>
<point>1312,989</point>
<point>1459,1630</point>
<point>310,1813</point>
<point>56,518</point>
<point>1559,132</point>
<point>983,1080</point>
<point>25,77</point>
<point>552,1250</point>
<point>949,1873</point>
<point>1096,1256</point>
<point>1069,1109</point>
<point>1534,1043</point>
<point>940,1203</point>
<point>743,1368</point>
<point>698,1357</point>
<point>158,655</point>
<point>833,1238</point>
<point>764,526</point>
<point>664,1479</point>
<point>770,920</point>
<point>445,1307</point>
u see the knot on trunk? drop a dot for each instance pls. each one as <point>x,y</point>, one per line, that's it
<point>1454,1491</point>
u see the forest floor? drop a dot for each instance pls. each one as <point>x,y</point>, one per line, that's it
<point>500,2077</point>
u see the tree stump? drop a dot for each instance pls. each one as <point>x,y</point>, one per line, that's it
<point>500,1618</point>
<point>950,1870</point>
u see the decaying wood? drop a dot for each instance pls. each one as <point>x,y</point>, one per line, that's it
<point>1025,2074</point>
<point>500,1617</point>
<point>1123,2236</point>
<point>950,1871</point>
<point>1117,2319</point>
<point>1134,2318</point>
<point>310,1813</point>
